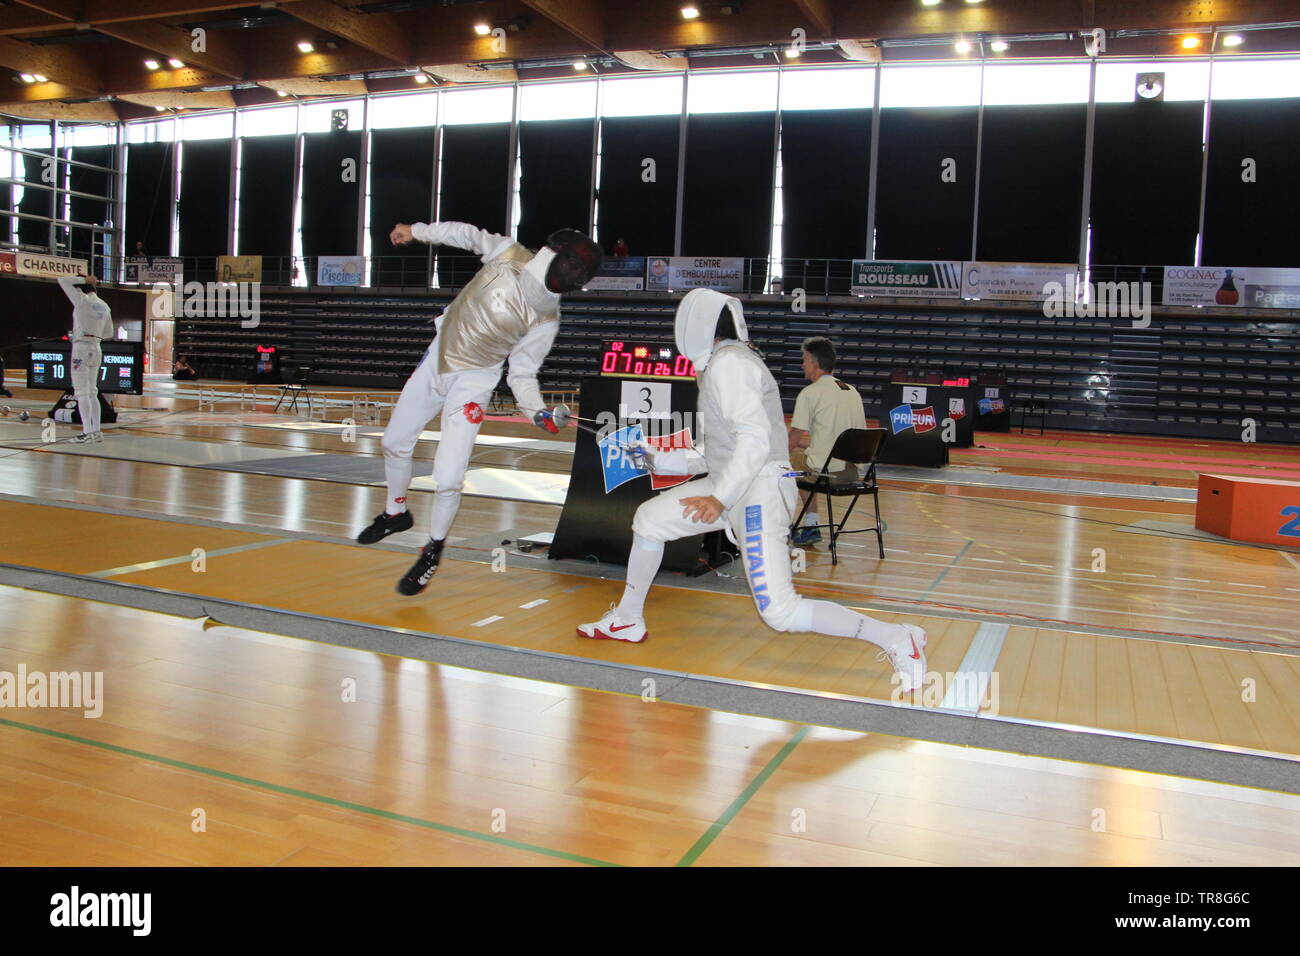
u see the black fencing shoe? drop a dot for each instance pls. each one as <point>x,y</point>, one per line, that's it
<point>421,573</point>
<point>384,525</point>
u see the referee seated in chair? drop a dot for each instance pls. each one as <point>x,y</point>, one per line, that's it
<point>822,411</point>
<point>183,371</point>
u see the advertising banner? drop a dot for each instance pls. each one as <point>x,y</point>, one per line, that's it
<point>50,267</point>
<point>340,270</point>
<point>155,270</point>
<point>695,272</point>
<point>1235,287</point>
<point>239,268</point>
<point>1020,281</point>
<point>620,273</point>
<point>937,280</point>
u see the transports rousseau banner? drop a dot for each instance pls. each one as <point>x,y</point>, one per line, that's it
<point>933,280</point>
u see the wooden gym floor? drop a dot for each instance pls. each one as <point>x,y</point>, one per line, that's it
<point>439,764</point>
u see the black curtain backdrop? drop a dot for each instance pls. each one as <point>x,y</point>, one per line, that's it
<point>1253,224</point>
<point>825,183</point>
<point>204,197</point>
<point>918,215</point>
<point>1031,183</point>
<point>1146,183</point>
<point>475,170</point>
<point>36,202</point>
<point>555,177</point>
<point>728,198</point>
<point>641,213</point>
<point>330,205</point>
<point>148,191</point>
<point>85,180</point>
<point>401,185</point>
<point>266,196</point>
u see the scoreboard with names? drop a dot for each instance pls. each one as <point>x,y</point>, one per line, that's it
<point>640,360</point>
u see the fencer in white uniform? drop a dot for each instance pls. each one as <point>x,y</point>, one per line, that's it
<point>92,322</point>
<point>749,492</point>
<point>509,311</point>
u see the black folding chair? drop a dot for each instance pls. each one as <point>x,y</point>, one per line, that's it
<point>856,446</point>
<point>297,388</point>
<point>1033,407</point>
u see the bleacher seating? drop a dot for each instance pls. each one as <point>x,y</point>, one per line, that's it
<point>1182,375</point>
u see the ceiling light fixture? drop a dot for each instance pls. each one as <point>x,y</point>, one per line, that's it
<point>26,77</point>
<point>962,46</point>
<point>151,64</point>
<point>175,64</point>
<point>421,78</point>
<point>1234,39</point>
<point>1191,43</point>
<point>579,65</point>
<point>482,29</point>
<point>305,46</point>
<point>690,13</point>
<point>999,46</point>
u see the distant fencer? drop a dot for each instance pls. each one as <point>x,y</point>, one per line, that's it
<point>509,311</point>
<point>750,493</point>
<point>92,322</point>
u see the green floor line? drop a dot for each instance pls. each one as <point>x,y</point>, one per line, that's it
<point>729,814</point>
<point>306,795</point>
<point>944,573</point>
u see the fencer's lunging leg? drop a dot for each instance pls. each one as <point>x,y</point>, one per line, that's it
<point>418,404</point>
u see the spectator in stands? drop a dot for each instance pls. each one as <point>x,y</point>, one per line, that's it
<point>823,409</point>
<point>139,251</point>
<point>182,371</point>
<point>620,248</point>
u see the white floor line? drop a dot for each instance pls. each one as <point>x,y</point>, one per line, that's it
<point>971,681</point>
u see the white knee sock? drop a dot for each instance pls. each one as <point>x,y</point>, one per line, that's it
<point>397,471</point>
<point>642,566</point>
<point>836,620</point>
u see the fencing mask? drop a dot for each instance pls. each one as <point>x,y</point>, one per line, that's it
<point>576,260</point>
<point>698,316</point>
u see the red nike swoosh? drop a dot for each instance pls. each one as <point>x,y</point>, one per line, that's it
<point>916,651</point>
<point>623,628</point>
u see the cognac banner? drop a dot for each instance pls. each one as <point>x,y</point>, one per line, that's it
<point>1236,287</point>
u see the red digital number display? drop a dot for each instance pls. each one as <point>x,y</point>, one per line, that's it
<point>958,382</point>
<point>647,361</point>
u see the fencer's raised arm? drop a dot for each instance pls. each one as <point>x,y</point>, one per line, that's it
<point>69,286</point>
<point>737,385</point>
<point>486,245</point>
<point>525,359</point>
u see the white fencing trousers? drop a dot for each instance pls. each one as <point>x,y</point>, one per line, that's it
<point>424,395</point>
<point>760,526</point>
<point>86,356</point>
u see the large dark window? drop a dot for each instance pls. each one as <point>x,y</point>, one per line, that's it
<point>148,193</point>
<point>826,161</point>
<point>638,202</point>
<point>266,196</point>
<point>925,204</point>
<point>1031,183</point>
<point>1146,183</point>
<point>81,209</point>
<point>37,200</point>
<point>401,190</point>
<point>475,174</point>
<point>1253,223</point>
<point>331,193</point>
<point>204,197</point>
<point>555,177</point>
<point>728,198</point>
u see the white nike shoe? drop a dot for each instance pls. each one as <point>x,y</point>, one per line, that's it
<point>907,655</point>
<point>85,438</point>
<point>614,627</point>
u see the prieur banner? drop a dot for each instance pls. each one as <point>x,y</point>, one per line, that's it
<point>935,280</point>
<point>1232,287</point>
<point>695,272</point>
<point>1020,281</point>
